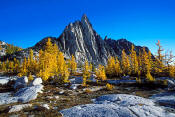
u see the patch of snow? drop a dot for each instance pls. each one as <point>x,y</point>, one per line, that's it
<point>20,107</point>
<point>118,105</point>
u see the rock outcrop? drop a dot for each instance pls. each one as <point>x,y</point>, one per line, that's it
<point>165,98</point>
<point>24,93</point>
<point>119,105</point>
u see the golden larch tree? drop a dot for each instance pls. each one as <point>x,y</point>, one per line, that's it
<point>72,65</point>
<point>134,61</point>
<point>100,73</point>
<point>86,72</point>
<point>110,68</point>
<point>125,64</point>
<point>118,70</point>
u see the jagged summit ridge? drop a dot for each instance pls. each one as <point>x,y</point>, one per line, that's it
<point>81,40</point>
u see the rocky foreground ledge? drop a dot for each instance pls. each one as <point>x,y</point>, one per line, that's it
<point>118,105</point>
<point>55,99</point>
<point>24,92</point>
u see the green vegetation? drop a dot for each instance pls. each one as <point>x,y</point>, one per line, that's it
<point>12,49</point>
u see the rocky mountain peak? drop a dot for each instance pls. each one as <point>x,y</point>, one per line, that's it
<point>81,40</point>
<point>85,22</point>
<point>84,18</point>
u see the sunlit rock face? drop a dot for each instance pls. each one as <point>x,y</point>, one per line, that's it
<point>80,39</point>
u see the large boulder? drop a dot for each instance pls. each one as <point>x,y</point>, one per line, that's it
<point>22,95</point>
<point>21,82</point>
<point>119,105</point>
<point>29,93</point>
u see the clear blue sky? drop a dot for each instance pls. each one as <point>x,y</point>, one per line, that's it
<point>143,22</point>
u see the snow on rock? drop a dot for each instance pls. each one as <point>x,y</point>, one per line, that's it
<point>36,81</point>
<point>21,82</point>
<point>20,107</point>
<point>166,98</point>
<point>22,95</point>
<point>118,105</point>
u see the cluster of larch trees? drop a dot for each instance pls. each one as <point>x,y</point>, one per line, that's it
<point>10,49</point>
<point>142,64</point>
<point>51,63</point>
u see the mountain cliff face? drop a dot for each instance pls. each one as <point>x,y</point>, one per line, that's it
<point>82,41</point>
